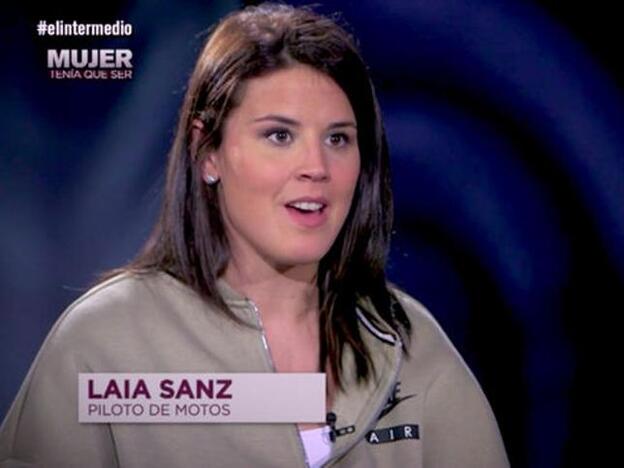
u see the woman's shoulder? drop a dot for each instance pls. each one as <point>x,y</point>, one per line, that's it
<point>118,305</point>
<point>105,326</point>
<point>126,288</point>
<point>421,319</point>
<point>453,401</point>
<point>130,290</point>
<point>428,341</point>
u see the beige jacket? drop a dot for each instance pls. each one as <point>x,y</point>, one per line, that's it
<point>423,411</point>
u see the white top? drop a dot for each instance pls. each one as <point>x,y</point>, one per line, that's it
<point>317,445</point>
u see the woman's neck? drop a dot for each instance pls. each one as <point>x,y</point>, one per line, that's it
<point>289,294</point>
<point>288,304</point>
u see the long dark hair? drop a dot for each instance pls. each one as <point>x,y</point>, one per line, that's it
<point>189,239</point>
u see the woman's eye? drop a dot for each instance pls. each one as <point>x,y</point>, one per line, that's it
<point>279,137</point>
<point>338,139</point>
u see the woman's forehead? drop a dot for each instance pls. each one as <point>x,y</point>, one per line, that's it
<point>299,89</point>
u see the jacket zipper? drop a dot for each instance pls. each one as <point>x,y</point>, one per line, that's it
<point>269,357</point>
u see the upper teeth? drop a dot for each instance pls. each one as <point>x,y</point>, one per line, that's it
<point>307,206</point>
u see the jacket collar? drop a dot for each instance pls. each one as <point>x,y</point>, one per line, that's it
<point>360,404</point>
<point>357,407</point>
<point>240,305</point>
<point>230,295</point>
<point>369,319</point>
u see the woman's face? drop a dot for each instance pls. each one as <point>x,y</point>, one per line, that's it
<point>288,166</point>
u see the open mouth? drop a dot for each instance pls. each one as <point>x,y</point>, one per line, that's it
<point>308,213</point>
<point>307,207</point>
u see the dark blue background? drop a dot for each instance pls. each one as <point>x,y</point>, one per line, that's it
<point>505,123</point>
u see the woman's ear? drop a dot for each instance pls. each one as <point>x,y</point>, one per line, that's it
<point>197,133</point>
<point>209,169</point>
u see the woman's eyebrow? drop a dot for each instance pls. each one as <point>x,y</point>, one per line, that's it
<point>288,121</point>
<point>278,118</point>
<point>346,123</point>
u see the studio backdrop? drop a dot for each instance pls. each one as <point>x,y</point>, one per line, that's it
<point>505,121</point>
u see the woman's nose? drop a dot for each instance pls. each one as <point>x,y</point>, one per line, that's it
<point>314,163</point>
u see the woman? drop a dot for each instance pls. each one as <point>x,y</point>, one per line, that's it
<point>268,256</point>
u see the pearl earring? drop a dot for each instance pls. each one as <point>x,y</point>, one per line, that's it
<point>211,180</point>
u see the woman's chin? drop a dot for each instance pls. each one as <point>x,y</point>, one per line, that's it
<point>301,258</point>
